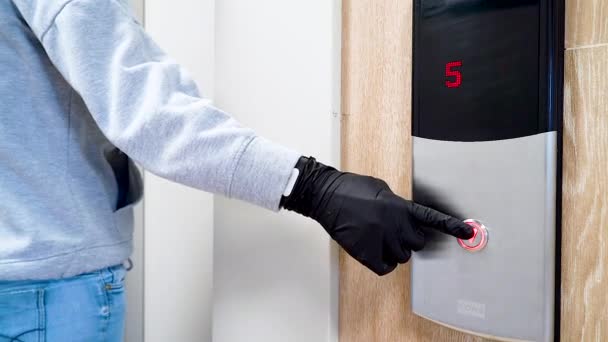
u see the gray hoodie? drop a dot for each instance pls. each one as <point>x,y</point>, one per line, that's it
<point>83,92</point>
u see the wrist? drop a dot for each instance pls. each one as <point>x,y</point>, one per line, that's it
<point>291,182</point>
<point>309,186</point>
<point>289,195</point>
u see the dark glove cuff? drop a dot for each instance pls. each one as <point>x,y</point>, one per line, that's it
<point>309,186</point>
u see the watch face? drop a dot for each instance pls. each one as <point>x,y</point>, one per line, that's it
<point>477,73</point>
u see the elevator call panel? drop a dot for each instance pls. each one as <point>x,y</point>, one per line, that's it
<point>486,126</point>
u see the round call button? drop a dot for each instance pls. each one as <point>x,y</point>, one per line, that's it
<point>479,239</point>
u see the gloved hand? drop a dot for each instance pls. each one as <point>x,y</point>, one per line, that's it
<point>363,215</point>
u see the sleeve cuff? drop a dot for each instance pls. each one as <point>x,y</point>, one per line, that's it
<point>262,173</point>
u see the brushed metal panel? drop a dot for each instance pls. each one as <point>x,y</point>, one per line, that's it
<point>507,289</point>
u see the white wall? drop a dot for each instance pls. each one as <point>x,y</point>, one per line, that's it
<point>275,275</point>
<point>179,220</point>
<point>134,328</point>
<point>274,65</point>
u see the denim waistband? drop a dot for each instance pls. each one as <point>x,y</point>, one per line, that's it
<point>110,274</point>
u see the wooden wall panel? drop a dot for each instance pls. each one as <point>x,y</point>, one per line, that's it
<point>376,140</point>
<point>585,197</point>
<point>586,22</point>
<point>376,89</point>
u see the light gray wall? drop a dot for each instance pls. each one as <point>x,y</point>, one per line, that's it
<point>134,328</point>
<point>275,66</point>
<point>179,220</point>
<point>275,275</point>
<point>138,8</point>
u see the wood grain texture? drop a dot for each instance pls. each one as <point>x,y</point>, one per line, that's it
<point>376,89</point>
<point>376,140</point>
<point>586,22</point>
<point>585,197</point>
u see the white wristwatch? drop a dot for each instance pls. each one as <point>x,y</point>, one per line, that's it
<point>292,181</point>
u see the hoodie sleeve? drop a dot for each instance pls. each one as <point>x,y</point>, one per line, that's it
<point>149,107</point>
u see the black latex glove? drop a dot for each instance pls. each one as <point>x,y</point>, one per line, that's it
<point>363,215</point>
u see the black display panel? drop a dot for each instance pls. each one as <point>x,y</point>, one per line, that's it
<point>481,69</point>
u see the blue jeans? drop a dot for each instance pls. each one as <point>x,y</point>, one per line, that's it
<point>88,308</point>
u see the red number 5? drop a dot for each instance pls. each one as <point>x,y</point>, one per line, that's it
<point>455,74</point>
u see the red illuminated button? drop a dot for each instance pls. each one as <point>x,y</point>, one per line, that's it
<point>479,239</point>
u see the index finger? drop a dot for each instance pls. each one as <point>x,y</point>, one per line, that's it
<point>440,221</point>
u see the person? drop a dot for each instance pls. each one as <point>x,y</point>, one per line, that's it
<point>85,94</point>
